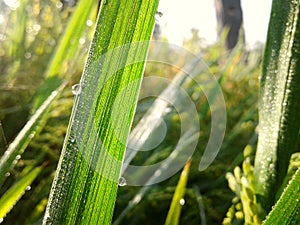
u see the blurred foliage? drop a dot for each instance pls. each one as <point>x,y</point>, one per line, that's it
<point>29,33</point>
<point>238,75</point>
<point>24,55</point>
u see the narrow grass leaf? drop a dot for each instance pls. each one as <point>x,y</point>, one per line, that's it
<point>19,33</point>
<point>65,50</point>
<point>201,205</point>
<point>279,106</point>
<point>86,182</point>
<point>31,128</point>
<point>70,39</point>
<point>10,198</point>
<point>3,142</point>
<point>287,209</point>
<point>178,197</point>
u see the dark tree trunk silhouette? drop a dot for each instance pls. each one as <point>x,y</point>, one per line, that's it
<point>229,16</point>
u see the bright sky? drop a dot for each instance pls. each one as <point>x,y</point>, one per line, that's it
<point>179,16</point>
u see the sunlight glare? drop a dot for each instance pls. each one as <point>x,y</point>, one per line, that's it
<point>12,4</point>
<point>179,17</point>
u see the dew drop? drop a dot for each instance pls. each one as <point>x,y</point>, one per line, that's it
<point>76,89</point>
<point>28,188</point>
<point>272,166</point>
<point>81,41</point>
<point>182,201</point>
<point>89,23</point>
<point>122,182</point>
<point>157,173</point>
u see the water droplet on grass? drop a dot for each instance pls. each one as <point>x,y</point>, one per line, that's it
<point>122,182</point>
<point>76,89</point>
<point>81,41</point>
<point>157,173</point>
<point>89,23</point>
<point>28,188</point>
<point>182,201</point>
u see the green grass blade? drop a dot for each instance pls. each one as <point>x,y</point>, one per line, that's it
<point>178,200</point>
<point>70,39</point>
<point>279,119</point>
<point>201,205</point>
<point>287,209</point>
<point>9,199</point>
<point>28,132</point>
<point>85,186</point>
<point>19,33</point>
<point>3,142</point>
<point>65,50</point>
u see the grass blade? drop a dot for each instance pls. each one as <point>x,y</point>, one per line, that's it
<point>178,200</point>
<point>279,102</point>
<point>287,209</point>
<point>65,50</point>
<point>24,137</point>
<point>19,33</point>
<point>70,39</point>
<point>85,186</point>
<point>3,142</point>
<point>9,199</point>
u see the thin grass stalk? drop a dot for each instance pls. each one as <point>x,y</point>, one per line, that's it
<point>10,197</point>
<point>178,197</point>
<point>3,142</point>
<point>28,132</point>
